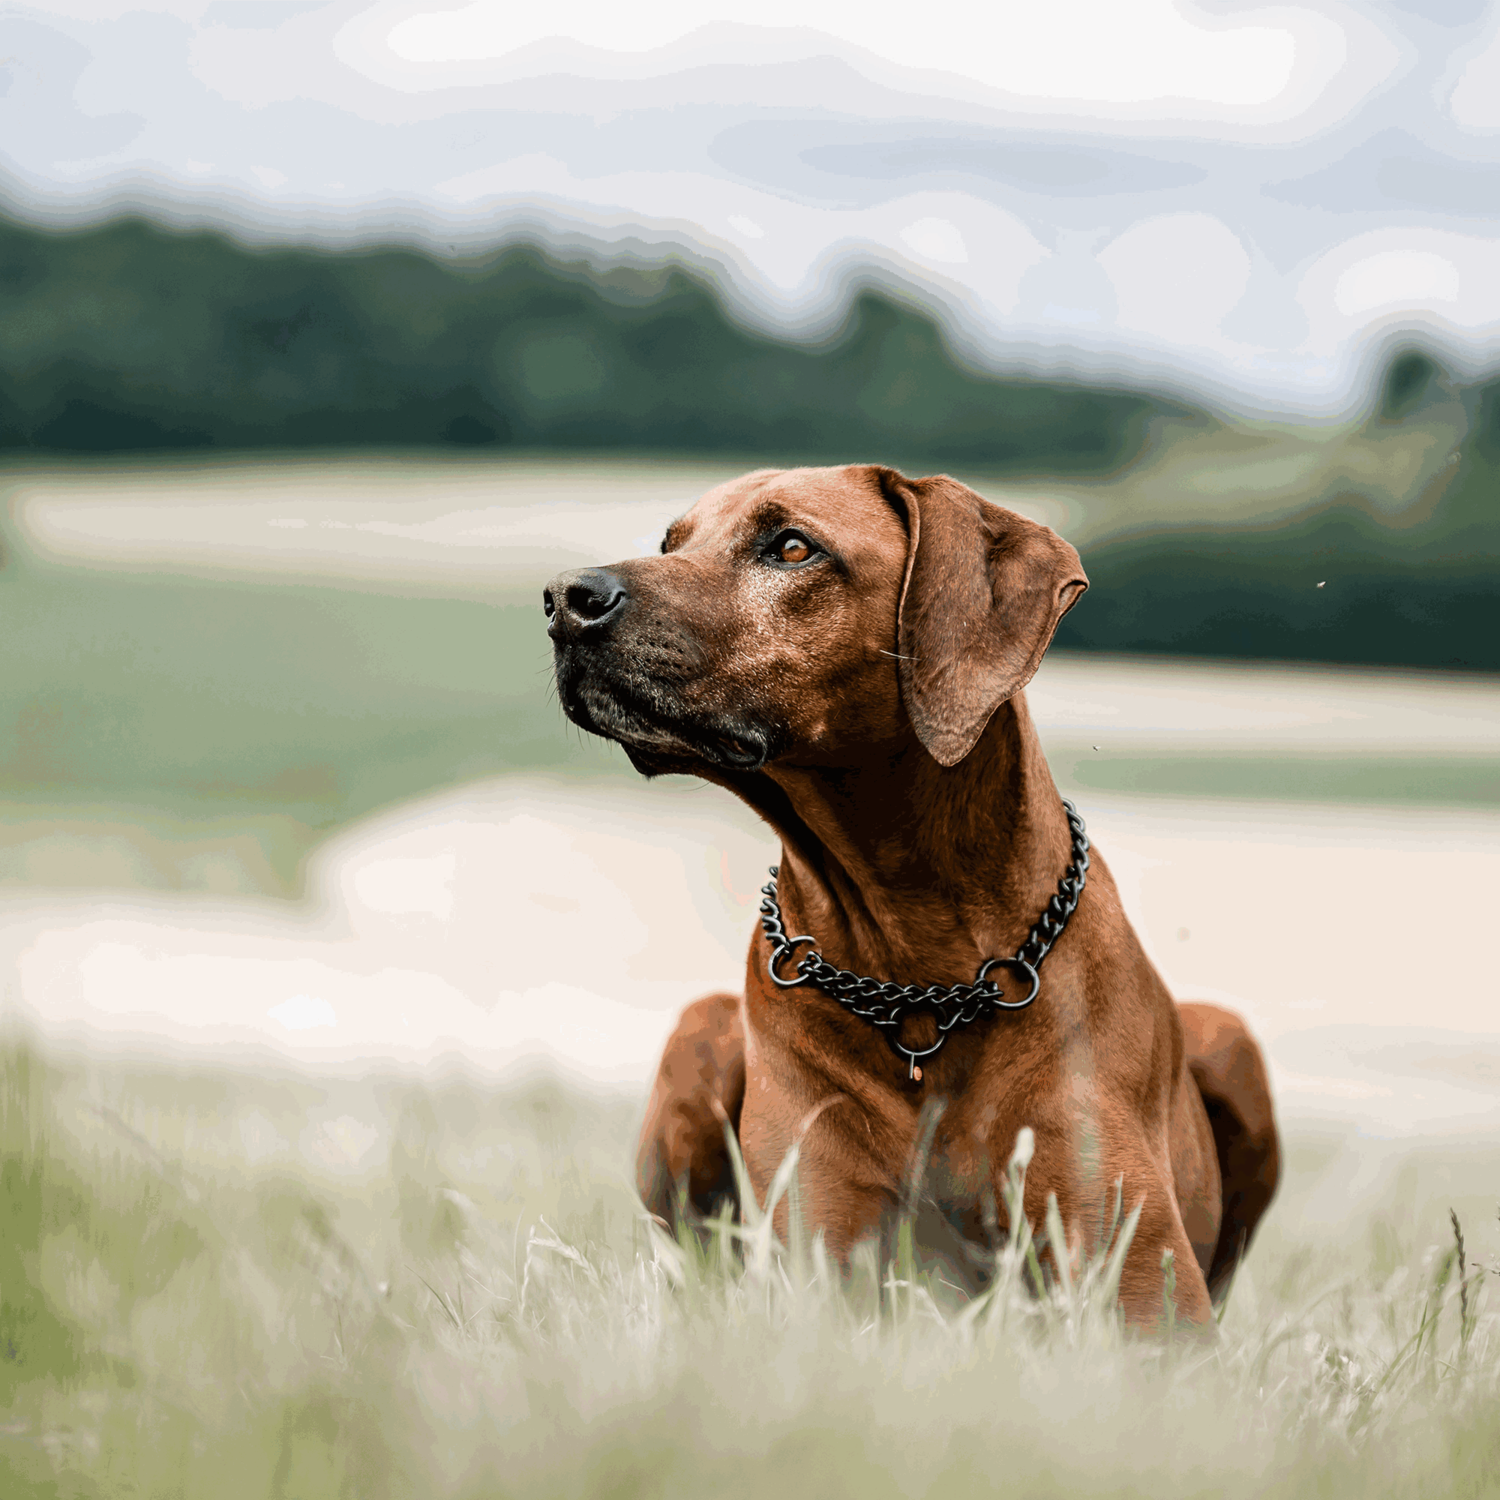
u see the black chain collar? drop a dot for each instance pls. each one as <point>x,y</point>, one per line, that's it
<point>886,1004</point>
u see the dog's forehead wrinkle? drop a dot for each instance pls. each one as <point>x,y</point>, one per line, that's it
<point>721,521</point>
<point>773,514</point>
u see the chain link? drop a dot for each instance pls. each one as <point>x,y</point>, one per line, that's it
<point>886,1004</point>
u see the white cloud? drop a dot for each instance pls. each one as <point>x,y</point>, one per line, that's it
<point>1119,59</point>
<point>936,239</point>
<point>113,10</point>
<point>1391,276</point>
<point>1177,277</point>
<point>747,227</point>
<point>1112,51</point>
<point>1475,100</point>
<point>268,176</point>
<point>1394,279</point>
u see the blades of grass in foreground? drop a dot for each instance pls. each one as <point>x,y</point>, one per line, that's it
<point>227,1347</point>
<point>1062,1257</point>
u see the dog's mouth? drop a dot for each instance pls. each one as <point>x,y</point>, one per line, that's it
<point>742,755</point>
<point>655,733</point>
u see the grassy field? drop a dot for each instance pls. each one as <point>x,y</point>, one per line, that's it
<point>235,1279</point>
<point>257,1283</point>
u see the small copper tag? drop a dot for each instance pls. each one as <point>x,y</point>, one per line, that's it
<point>916,1072</point>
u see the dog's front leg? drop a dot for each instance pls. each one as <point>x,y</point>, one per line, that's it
<point>699,1090</point>
<point>1145,1279</point>
<point>1084,1184</point>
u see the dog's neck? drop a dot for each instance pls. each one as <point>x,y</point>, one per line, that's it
<point>905,870</point>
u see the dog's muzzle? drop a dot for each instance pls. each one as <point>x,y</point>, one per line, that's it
<point>629,673</point>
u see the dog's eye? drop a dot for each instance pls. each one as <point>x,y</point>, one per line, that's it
<point>791,548</point>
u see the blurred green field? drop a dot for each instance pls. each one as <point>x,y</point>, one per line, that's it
<point>182,670</point>
<point>264,710</point>
<point>225,1283</point>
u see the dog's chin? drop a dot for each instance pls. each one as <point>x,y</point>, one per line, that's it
<point>658,762</point>
<point>696,752</point>
<point>659,745</point>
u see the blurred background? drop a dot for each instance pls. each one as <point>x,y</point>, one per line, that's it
<point>334,962</point>
<point>329,331</point>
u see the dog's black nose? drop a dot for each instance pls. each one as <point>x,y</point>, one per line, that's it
<point>583,600</point>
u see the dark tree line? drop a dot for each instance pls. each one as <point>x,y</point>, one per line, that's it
<point>132,337</point>
<point>129,336</point>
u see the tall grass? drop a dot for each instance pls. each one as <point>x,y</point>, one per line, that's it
<point>473,1306</point>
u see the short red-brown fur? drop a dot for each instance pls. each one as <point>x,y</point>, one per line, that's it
<point>922,833</point>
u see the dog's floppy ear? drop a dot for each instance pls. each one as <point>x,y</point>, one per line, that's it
<point>984,591</point>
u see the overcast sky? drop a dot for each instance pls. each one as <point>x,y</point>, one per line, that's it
<point>1243,200</point>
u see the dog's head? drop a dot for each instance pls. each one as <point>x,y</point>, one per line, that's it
<point>805,613</point>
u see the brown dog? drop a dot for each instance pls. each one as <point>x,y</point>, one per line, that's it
<point>845,649</point>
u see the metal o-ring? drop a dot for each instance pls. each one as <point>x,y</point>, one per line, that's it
<point>1020,967</point>
<point>914,1058</point>
<point>778,955</point>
